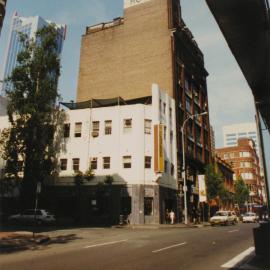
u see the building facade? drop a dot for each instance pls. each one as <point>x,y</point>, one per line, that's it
<point>231,134</point>
<point>28,26</point>
<point>245,163</point>
<point>133,141</point>
<point>2,12</point>
<point>152,44</point>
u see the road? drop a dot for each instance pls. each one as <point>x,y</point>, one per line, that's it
<point>206,248</point>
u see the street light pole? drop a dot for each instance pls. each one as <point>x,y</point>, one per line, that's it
<point>184,163</point>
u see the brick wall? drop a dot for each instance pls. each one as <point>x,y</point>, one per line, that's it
<point>125,60</point>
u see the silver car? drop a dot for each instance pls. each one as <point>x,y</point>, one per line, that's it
<point>29,216</point>
<point>222,218</point>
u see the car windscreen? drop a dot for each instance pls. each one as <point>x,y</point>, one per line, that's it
<point>221,214</point>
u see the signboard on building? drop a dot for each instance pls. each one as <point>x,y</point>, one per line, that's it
<point>202,188</point>
<point>130,3</point>
<point>158,148</point>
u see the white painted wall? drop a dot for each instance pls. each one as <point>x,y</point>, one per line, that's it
<point>135,143</point>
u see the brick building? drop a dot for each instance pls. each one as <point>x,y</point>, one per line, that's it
<point>151,44</point>
<point>245,163</point>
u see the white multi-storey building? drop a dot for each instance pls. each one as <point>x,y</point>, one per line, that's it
<point>134,142</point>
<point>232,133</point>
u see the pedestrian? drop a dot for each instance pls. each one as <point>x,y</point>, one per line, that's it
<point>172,216</point>
<point>167,216</point>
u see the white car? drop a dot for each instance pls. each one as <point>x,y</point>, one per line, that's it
<point>250,217</point>
<point>222,218</point>
<point>30,215</point>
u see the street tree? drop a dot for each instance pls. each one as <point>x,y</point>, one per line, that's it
<point>241,191</point>
<point>32,94</point>
<point>214,181</point>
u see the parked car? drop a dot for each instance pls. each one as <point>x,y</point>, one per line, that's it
<point>222,218</point>
<point>28,216</point>
<point>236,218</point>
<point>250,217</point>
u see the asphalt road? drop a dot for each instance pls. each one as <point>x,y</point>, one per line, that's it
<point>206,248</point>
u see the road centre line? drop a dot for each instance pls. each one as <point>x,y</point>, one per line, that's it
<point>233,231</point>
<point>239,258</point>
<point>177,245</point>
<point>106,244</point>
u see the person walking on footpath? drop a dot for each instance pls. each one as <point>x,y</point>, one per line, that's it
<point>172,216</point>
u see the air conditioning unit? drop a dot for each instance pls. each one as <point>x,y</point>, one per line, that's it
<point>94,133</point>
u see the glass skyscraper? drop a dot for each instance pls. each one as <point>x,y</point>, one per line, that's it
<point>28,26</point>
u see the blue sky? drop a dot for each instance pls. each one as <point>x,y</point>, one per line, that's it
<point>230,99</point>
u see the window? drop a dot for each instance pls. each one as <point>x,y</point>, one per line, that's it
<point>171,136</point>
<point>95,128</point>
<point>127,162</point>
<point>93,163</point>
<point>108,127</point>
<point>63,164</point>
<point>165,131</point>
<point>147,126</point>
<point>148,206</point>
<point>76,164</point>
<point>172,169</point>
<point>165,165</point>
<point>188,105</point>
<point>164,107</point>
<point>66,130</point>
<point>106,163</point>
<point>147,162</point>
<point>170,111</point>
<point>127,125</point>
<point>245,154</point>
<point>78,130</point>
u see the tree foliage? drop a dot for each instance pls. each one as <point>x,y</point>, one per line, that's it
<point>241,191</point>
<point>214,181</point>
<point>32,94</point>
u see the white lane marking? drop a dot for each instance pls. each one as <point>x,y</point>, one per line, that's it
<point>177,245</point>
<point>233,231</point>
<point>105,244</point>
<point>239,258</point>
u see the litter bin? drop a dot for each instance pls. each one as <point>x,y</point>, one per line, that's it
<point>262,240</point>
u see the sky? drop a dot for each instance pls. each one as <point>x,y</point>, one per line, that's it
<point>230,98</point>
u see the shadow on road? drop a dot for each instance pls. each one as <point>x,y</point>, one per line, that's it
<point>20,242</point>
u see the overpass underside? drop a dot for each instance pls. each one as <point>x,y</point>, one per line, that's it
<point>245,26</point>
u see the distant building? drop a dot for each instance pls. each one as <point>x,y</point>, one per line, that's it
<point>245,163</point>
<point>28,26</point>
<point>231,134</point>
<point>228,174</point>
<point>2,12</point>
<point>134,141</point>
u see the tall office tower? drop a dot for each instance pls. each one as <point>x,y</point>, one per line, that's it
<point>28,26</point>
<point>231,133</point>
<point>152,44</point>
<point>2,12</point>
